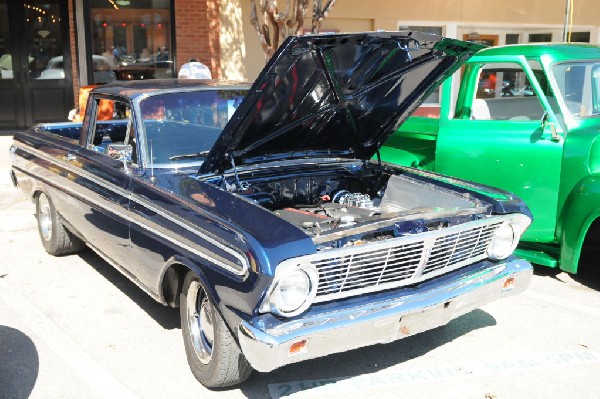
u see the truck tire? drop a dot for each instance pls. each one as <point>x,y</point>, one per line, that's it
<point>57,240</point>
<point>213,354</point>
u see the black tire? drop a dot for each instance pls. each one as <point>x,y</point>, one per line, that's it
<point>57,240</point>
<point>213,354</point>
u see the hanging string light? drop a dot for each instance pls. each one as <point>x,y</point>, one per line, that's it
<point>112,3</point>
<point>40,11</point>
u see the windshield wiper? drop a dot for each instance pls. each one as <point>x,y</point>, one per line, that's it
<point>185,156</point>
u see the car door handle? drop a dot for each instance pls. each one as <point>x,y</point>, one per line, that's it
<point>70,157</point>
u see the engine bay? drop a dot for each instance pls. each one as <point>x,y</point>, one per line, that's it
<point>340,198</point>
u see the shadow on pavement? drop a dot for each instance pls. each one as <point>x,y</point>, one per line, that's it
<point>589,271</point>
<point>545,271</point>
<point>333,368</point>
<point>19,364</point>
<point>167,317</point>
<point>368,360</point>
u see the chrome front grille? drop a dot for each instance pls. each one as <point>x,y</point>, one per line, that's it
<point>400,261</point>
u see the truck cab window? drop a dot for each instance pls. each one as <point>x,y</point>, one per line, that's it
<point>113,126</point>
<point>504,92</point>
<point>579,87</point>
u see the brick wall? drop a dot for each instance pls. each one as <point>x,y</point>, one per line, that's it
<point>197,33</point>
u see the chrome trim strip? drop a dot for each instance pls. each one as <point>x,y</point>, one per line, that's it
<point>194,229</point>
<point>139,199</point>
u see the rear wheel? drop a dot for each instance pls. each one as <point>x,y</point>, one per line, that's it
<point>212,352</point>
<point>57,240</point>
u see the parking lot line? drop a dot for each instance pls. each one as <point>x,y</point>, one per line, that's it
<point>562,302</point>
<point>104,383</point>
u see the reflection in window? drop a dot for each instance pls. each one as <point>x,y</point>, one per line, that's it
<point>579,87</point>
<point>504,92</point>
<point>113,128</point>
<point>131,40</point>
<point>44,41</point>
<point>183,126</point>
<point>6,67</point>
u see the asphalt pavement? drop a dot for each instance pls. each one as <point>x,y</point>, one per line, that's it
<point>73,327</point>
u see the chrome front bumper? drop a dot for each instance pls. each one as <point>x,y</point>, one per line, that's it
<point>387,318</point>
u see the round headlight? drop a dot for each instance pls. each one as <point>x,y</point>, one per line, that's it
<point>291,291</point>
<point>504,241</point>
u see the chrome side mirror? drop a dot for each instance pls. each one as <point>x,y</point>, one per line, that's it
<point>546,124</point>
<point>122,152</point>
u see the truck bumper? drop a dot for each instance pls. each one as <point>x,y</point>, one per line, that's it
<point>396,315</point>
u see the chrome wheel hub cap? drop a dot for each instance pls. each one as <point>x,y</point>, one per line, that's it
<point>200,322</point>
<point>45,218</point>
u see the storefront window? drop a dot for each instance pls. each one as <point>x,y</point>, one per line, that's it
<point>6,67</point>
<point>512,38</point>
<point>540,37</point>
<point>580,37</point>
<point>131,40</point>
<point>44,41</point>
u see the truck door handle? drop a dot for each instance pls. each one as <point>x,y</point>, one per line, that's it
<point>70,157</point>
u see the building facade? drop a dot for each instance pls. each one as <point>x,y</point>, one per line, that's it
<point>51,48</point>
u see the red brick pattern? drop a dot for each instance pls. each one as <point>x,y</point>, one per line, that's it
<point>197,33</point>
<point>73,50</point>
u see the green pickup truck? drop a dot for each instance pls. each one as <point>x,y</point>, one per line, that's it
<point>525,118</point>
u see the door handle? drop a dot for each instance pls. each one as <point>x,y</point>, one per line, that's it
<point>70,157</point>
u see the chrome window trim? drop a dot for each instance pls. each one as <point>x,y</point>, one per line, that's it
<point>144,158</point>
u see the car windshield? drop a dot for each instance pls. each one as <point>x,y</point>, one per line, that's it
<point>579,87</point>
<point>182,127</point>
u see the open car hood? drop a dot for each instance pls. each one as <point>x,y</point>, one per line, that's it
<point>337,95</point>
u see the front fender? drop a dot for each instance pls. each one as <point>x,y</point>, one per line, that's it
<point>581,208</point>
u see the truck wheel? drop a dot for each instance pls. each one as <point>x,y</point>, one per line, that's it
<point>57,240</point>
<point>212,352</point>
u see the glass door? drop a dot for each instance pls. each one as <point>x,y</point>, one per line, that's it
<point>35,64</point>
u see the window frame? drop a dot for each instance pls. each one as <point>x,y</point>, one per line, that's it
<point>88,39</point>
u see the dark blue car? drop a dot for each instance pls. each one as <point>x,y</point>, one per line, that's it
<point>262,211</point>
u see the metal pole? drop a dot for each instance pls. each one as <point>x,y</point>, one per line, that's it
<point>567,15</point>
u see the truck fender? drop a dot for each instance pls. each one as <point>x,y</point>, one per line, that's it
<point>581,209</point>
